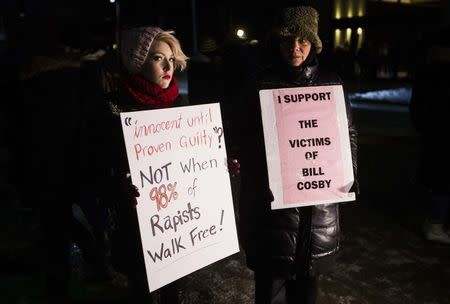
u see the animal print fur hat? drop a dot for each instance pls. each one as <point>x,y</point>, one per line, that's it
<point>302,21</point>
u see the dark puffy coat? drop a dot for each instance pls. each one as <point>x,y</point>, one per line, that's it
<point>430,109</point>
<point>284,242</point>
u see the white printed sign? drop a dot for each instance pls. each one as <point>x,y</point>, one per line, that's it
<point>178,161</point>
<point>307,145</point>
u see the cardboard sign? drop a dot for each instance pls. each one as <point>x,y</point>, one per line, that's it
<point>307,145</point>
<point>178,161</point>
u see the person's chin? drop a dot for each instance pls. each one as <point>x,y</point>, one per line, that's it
<point>165,84</point>
<point>296,61</point>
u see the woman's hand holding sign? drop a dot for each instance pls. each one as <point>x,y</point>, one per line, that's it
<point>129,189</point>
<point>234,167</point>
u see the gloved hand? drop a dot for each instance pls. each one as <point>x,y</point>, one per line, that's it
<point>234,167</point>
<point>130,190</point>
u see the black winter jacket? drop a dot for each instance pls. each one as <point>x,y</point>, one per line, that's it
<point>114,186</point>
<point>285,242</point>
<point>430,109</point>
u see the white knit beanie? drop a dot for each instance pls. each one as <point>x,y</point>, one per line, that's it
<point>135,45</point>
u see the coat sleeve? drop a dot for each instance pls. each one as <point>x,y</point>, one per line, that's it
<point>353,135</point>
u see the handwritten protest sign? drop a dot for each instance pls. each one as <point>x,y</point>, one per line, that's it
<point>307,145</point>
<point>178,161</point>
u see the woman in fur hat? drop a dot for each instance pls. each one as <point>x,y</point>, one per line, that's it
<point>149,58</point>
<point>286,248</point>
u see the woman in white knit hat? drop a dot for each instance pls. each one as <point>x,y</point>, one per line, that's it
<point>149,58</point>
<point>287,248</point>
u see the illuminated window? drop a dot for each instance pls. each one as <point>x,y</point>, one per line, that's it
<point>348,37</point>
<point>338,9</point>
<point>338,39</point>
<point>360,41</point>
<point>349,8</point>
<point>361,8</point>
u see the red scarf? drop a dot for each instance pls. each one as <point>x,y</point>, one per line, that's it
<point>147,93</point>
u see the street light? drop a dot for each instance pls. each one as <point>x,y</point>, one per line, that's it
<point>240,33</point>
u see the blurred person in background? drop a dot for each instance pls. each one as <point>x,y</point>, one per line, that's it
<point>430,110</point>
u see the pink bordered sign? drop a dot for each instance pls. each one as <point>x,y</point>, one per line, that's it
<point>307,145</point>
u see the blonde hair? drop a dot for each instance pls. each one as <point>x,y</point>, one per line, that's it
<point>180,58</point>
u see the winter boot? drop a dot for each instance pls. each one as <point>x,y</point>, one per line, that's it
<point>436,233</point>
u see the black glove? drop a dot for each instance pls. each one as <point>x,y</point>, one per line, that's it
<point>234,167</point>
<point>129,190</point>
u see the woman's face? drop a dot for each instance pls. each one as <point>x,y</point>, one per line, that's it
<point>159,65</point>
<point>295,50</point>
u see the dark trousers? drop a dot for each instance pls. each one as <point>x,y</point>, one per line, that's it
<point>439,208</point>
<point>56,221</point>
<point>272,290</point>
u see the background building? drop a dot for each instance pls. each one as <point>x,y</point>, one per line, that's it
<point>383,36</point>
